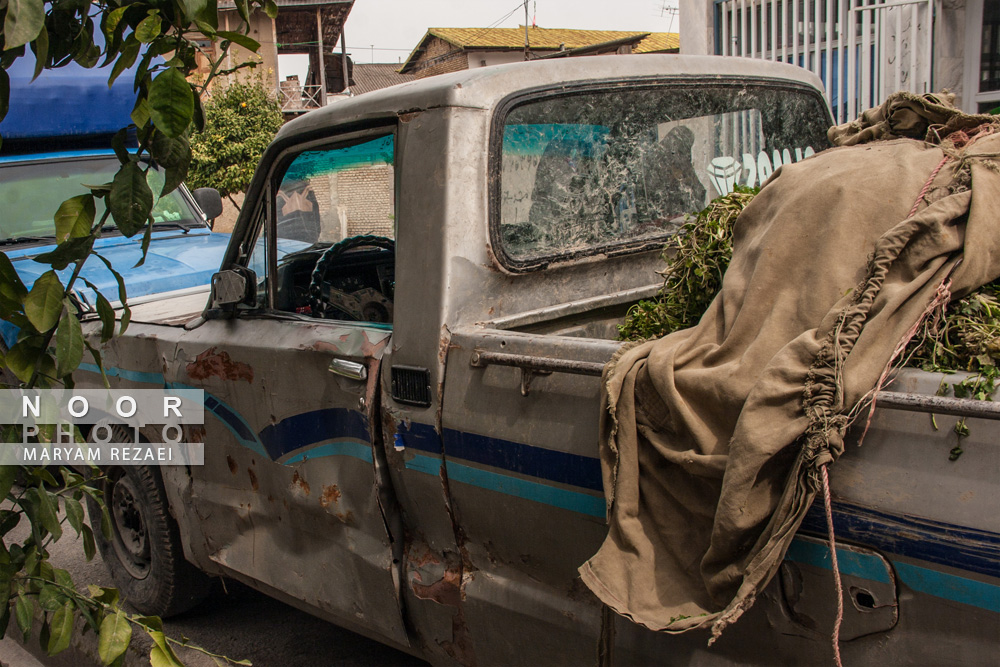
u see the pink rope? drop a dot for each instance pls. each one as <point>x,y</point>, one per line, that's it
<point>836,570</point>
<point>927,185</point>
<point>942,297</point>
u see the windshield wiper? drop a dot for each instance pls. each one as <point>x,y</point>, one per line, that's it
<point>19,240</point>
<point>186,226</point>
<point>158,226</point>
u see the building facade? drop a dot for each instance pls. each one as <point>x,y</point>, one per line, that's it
<point>443,50</point>
<point>863,50</point>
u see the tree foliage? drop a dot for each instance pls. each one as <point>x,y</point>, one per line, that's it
<point>241,119</point>
<point>156,42</point>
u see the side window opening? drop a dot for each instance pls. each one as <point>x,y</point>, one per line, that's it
<point>334,232</point>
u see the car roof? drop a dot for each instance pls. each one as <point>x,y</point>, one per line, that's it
<point>484,87</point>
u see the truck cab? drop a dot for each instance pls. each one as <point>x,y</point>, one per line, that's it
<point>401,429</point>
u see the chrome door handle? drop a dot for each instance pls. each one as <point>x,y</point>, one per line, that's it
<point>348,369</point>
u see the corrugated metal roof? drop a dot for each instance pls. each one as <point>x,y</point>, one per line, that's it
<point>542,39</point>
<point>376,76</point>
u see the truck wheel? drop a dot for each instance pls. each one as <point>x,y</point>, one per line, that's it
<point>144,554</point>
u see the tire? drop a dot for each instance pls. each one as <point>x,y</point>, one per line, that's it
<point>144,554</point>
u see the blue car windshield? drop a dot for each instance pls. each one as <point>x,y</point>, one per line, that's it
<point>31,193</point>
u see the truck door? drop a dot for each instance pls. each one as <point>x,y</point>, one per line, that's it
<point>288,497</point>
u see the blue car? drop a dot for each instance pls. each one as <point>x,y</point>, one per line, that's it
<point>56,140</point>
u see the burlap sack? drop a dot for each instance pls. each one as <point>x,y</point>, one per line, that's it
<point>713,437</point>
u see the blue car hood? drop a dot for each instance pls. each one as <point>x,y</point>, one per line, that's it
<point>175,261</point>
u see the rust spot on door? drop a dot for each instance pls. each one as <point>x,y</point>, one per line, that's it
<point>253,479</point>
<point>446,591</point>
<point>233,468</point>
<point>299,483</point>
<point>331,494</point>
<point>218,364</point>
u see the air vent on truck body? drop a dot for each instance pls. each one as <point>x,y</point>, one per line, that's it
<point>411,385</point>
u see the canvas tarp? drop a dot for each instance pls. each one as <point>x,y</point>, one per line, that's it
<point>714,437</point>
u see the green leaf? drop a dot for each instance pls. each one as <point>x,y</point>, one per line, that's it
<point>40,47</point>
<point>106,523</point>
<point>161,655</point>
<point>9,277</point>
<point>23,358</point>
<point>127,58</point>
<point>7,476</point>
<point>44,302</point>
<point>115,636</point>
<point>74,514</point>
<point>69,344</point>
<point>140,114</point>
<point>122,295</point>
<point>75,217</point>
<point>64,579</point>
<point>106,313</point>
<point>47,514</point>
<point>8,521</point>
<point>89,546</point>
<point>193,8</point>
<point>4,93</point>
<point>62,629</point>
<point>50,597</point>
<point>199,115</point>
<point>25,614</point>
<point>108,596</point>
<point>118,145</point>
<point>130,199</point>
<point>174,155</point>
<point>148,29</point>
<point>239,38</point>
<point>154,622</point>
<point>144,246</point>
<point>25,19</point>
<point>114,18</point>
<point>243,7</point>
<point>271,9</point>
<point>171,102</point>
<point>67,252</point>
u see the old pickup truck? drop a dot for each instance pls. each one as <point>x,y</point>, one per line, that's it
<point>401,430</point>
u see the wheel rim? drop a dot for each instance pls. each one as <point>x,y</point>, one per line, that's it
<point>128,525</point>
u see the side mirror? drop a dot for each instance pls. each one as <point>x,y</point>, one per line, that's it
<point>210,202</point>
<point>233,286</point>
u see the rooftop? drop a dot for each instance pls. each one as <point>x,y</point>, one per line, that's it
<point>367,78</point>
<point>543,39</point>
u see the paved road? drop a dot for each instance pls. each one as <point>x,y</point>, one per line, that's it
<point>239,623</point>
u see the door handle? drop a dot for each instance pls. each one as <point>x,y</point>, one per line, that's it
<point>348,369</point>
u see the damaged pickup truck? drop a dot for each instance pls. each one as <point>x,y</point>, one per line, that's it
<point>402,419</point>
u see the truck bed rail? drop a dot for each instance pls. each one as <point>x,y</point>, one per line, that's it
<point>890,400</point>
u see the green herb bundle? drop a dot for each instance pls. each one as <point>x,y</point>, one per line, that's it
<point>966,338</point>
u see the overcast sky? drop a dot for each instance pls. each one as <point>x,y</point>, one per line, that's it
<point>395,26</point>
<point>385,31</point>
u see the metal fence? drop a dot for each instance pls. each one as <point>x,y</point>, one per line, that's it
<point>863,50</point>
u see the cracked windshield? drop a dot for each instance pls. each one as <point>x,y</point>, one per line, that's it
<point>587,172</point>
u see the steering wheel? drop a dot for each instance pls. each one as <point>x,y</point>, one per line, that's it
<point>364,305</point>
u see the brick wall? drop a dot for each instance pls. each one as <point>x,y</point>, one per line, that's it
<point>440,57</point>
<point>367,196</point>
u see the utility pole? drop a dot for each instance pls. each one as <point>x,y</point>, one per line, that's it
<point>525,29</point>
<point>322,61</point>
